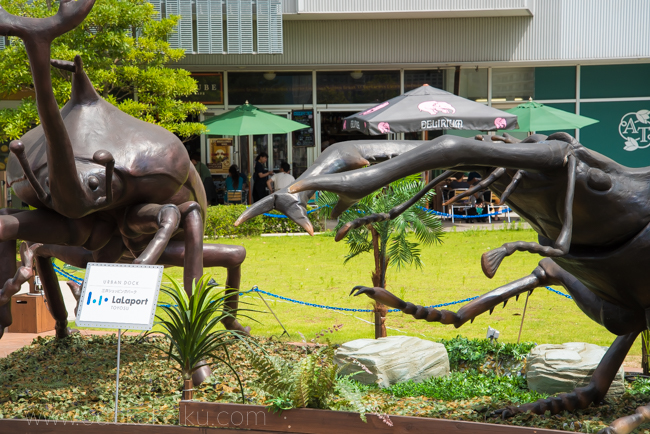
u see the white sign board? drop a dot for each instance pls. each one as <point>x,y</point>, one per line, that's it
<point>119,296</point>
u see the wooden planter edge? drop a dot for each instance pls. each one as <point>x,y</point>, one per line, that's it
<point>312,421</point>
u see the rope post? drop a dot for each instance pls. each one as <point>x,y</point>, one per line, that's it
<point>276,317</point>
<point>522,317</point>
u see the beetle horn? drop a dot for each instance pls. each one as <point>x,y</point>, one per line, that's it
<point>38,34</point>
<point>83,91</point>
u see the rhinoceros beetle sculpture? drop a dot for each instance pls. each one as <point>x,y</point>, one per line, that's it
<point>592,216</point>
<point>106,187</point>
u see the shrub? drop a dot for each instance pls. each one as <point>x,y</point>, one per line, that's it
<point>466,385</point>
<point>221,219</point>
<point>467,353</point>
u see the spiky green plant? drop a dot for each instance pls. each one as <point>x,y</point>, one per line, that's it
<point>308,382</point>
<point>191,325</point>
<point>388,240</point>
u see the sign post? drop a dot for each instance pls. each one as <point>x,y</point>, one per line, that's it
<point>119,296</point>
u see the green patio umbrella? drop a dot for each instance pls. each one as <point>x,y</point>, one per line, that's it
<point>248,119</point>
<point>533,116</point>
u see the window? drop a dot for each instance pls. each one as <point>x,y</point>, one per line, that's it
<point>269,88</point>
<point>357,87</point>
<point>513,84</point>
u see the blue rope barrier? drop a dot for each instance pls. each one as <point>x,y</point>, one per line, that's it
<point>75,279</point>
<point>304,303</point>
<point>343,309</point>
<point>559,293</point>
<point>282,216</point>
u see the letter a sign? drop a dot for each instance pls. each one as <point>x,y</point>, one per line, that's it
<point>119,296</point>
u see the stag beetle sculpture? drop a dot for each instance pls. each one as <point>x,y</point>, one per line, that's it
<point>592,216</point>
<point>106,187</point>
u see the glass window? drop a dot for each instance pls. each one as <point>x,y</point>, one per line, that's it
<point>473,84</point>
<point>513,84</point>
<point>299,157</point>
<point>356,87</point>
<point>260,144</point>
<point>279,150</point>
<point>415,79</point>
<point>260,88</point>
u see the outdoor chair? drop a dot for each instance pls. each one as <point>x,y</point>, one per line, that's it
<point>235,197</point>
<point>463,204</point>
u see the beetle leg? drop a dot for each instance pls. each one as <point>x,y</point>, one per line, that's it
<point>491,260</point>
<point>583,397</point>
<point>161,219</point>
<point>471,310</point>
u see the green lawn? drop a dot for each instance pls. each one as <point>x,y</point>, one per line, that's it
<point>311,269</point>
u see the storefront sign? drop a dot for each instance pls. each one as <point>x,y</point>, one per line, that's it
<point>209,88</point>
<point>119,296</point>
<point>304,137</point>
<point>220,153</point>
<point>634,129</point>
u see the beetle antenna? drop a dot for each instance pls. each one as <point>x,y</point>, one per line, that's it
<point>106,159</point>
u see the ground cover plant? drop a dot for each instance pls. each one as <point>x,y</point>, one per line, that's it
<point>74,379</point>
<point>311,269</point>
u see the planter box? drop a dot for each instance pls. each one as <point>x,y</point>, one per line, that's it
<point>24,426</point>
<point>310,421</point>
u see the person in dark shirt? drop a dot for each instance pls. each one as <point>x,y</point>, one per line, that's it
<point>260,176</point>
<point>458,181</point>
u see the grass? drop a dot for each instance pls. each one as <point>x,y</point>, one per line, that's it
<point>311,269</point>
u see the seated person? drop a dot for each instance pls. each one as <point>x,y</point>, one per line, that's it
<point>282,179</point>
<point>458,181</point>
<point>473,178</point>
<point>235,180</point>
<point>480,208</point>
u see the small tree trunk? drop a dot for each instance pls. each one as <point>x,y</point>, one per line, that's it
<point>380,311</point>
<point>188,390</point>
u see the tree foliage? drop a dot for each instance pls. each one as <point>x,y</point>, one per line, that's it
<point>125,54</point>
<point>395,248</point>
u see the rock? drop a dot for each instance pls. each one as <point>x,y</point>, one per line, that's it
<point>394,359</point>
<point>554,369</point>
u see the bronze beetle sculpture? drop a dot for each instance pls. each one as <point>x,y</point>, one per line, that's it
<point>106,187</point>
<point>591,214</point>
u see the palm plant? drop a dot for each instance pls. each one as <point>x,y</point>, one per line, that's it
<point>190,324</point>
<point>388,240</point>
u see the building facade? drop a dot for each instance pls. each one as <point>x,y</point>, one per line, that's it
<point>317,61</point>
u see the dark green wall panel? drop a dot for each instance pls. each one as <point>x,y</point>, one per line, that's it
<point>604,137</point>
<point>615,81</point>
<point>555,82</point>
